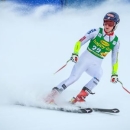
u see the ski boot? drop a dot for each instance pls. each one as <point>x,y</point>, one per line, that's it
<point>50,99</point>
<point>80,97</point>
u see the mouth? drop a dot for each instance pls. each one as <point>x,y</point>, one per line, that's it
<point>107,28</point>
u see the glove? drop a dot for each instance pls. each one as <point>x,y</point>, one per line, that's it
<point>114,78</point>
<point>74,57</point>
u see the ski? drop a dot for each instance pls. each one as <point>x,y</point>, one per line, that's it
<point>115,110</point>
<point>105,110</point>
<point>60,108</point>
<point>79,110</point>
<point>71,109</point>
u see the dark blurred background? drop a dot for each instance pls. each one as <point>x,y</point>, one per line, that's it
<point>63,3</point>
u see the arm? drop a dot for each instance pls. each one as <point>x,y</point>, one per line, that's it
<point>115,52</point>
<point>90,35</point>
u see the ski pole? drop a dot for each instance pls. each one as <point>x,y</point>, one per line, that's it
<point>62,66</point>
<point>123,87</point>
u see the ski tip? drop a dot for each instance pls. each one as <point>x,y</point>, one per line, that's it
<point>115,110</point>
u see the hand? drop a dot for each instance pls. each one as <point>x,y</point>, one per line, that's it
<point>114,78</point>
<point>74,57</point>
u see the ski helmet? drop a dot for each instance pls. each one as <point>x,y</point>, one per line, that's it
<point>112,16</point>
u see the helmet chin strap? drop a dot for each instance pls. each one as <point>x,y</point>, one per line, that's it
<point>114,28</point>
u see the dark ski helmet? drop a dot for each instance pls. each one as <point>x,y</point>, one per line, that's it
<point>112,16</point>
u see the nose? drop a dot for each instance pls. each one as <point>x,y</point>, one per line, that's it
<point>106,26</point>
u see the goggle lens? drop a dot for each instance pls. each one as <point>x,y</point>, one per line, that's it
<point>109,23</point>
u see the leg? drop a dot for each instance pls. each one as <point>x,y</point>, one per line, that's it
<point>76,72</point>
<point>74,76</point>
<point>96,72</point>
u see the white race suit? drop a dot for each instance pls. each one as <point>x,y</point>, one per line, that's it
<point>90,63</point>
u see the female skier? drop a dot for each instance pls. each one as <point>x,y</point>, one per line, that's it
<point>101,42</point>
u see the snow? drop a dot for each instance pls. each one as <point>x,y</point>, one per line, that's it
<point>33,46</point>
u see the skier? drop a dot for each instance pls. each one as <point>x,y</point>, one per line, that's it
<point>102,41</point>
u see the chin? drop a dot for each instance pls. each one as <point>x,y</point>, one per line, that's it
<point>106,30</point>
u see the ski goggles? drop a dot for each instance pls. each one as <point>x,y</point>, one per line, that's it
<point>109,23</point>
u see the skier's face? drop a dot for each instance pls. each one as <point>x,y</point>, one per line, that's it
<point>108,25</point>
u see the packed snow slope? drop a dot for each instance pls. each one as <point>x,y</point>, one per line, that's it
<point>34,44</point>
